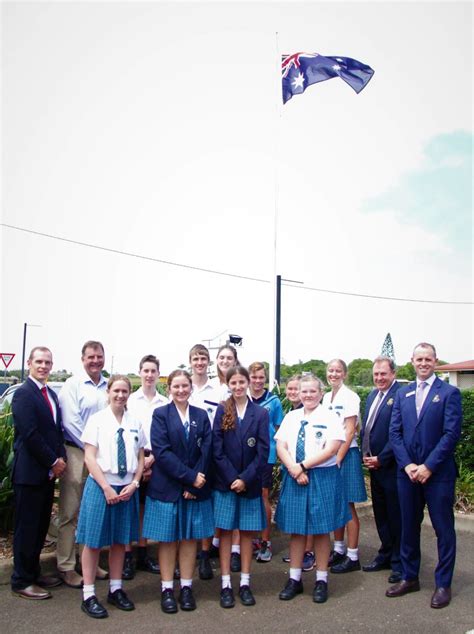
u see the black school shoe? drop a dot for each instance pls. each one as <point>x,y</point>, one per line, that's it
<point>204,566</point>
<point>148,564</point>
<point>128,570</point>
<point>246,596</point>
<point>168,602</point>
<point>227,598</point>
<point>320,592</point>
<point>186,599</point>
<point>335,558</point>
<point>93,608</point>
<point>346,565</point>
<point>235,563</point>
<point>120,600</point>
<point>291,589</point>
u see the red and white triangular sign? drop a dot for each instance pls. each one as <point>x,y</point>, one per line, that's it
<point>7,358</point>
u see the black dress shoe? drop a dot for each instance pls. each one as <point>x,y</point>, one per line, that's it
<point>235,562</point>
<point>347,565</point>
<point>186,599</point>
<point>375,566</point>
<point>320,592</point>
<point>148,564</point>
<point>168,602</point>
<point>335,558</point>
<point>47,581</point>
<point>441,598</point>
<point>227,598</point>
<point>205,569</point>
<point>128,571</point>
<point>213,552</point>
<point>93,608</point>
<point>246,596</point>
<point>403,587</point>
<point>177,573</point>
<point>120,600</point>
<point>395,577</point>
<point>291,589</point>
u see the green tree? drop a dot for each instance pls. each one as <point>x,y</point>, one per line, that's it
<point>360,372</point>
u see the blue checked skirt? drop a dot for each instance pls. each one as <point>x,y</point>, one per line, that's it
<point>101,524</point>
<point>352,476</point>
<point>175,521</point>
<point>313,509</point>
<point>232,511</point>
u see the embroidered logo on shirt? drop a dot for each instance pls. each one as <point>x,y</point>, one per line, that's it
<point>319,434</point>
<point>251,442</point>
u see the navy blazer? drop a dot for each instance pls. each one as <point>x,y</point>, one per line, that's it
<point>430,439</point>
<point>39,441</point>
<point>379,440</point>
<point>177,460</point>
<point>241,452</point>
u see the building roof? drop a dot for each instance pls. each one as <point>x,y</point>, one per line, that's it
<point>452,367</point>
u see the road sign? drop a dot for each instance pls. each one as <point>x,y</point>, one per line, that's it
<point>7,358</point>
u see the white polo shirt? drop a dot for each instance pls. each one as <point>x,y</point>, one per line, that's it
<point>346,403</point>
<point>101,432</point>
<point>207,398</point>
<point>141,408</point>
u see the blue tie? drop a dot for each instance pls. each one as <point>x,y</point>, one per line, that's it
<point>300,455</point>
<point>121,454</point>
<point>186,429</point>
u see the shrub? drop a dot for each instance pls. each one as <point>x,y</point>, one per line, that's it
<point>6,459</point>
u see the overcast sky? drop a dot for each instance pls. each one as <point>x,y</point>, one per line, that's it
<point>156,129</point>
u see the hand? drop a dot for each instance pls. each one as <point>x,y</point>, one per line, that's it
<point>372,462</point>
<point>295,470</point>
<point>127,492</point>
<point>302,479</point>
<point>412,471</point>
<point>111,496</point>
<point>238,486</point>
<point>423,474</point>
<point>200,481</point>
<point>149,460</point>
<point>59,468</point>
<point>188,496</point>
<point>146,475</point>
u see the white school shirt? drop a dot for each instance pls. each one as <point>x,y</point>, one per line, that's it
<point>221,389</point>
<point>207,398</point>
<point>101,432</point>
<point>323,426</point>
<point>141,408</point>
<point>346,403</point>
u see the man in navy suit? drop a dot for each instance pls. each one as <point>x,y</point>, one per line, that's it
<point>424,430</point>
<point>39,458</point>
<point>378,457</point>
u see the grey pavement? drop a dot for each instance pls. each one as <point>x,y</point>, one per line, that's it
<point>357,601</point>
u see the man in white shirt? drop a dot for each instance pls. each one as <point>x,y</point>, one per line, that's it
<point>81,396</point>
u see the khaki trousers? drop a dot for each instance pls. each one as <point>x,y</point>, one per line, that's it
<point>70,493</point>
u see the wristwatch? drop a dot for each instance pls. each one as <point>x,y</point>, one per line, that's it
<point>136,483</point>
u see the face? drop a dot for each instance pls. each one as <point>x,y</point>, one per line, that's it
<point>335,374</point>
<point>383,376</point>
<point>310,394</point>
<point>149,374</point>
<point>293,392</point>
<point>257,382</point>
<point>118,394</point>
<point>93,362</point>
<point>199,363</point>
<point>40,365</point>
<point>238,385</point>
<point>180,390</point>
<point>225,360</point>
<point>424,362</point>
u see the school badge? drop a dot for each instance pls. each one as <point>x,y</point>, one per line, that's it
<point>319,434</point>
<point>251,442</point>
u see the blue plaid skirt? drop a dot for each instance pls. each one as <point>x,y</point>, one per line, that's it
<point>313,509</point>
<point>175,521</point>
<point>352,476</point>
<point>101,524</point>
<point>232,511</point>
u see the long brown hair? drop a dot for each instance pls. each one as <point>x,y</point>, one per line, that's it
<point>229,419</point>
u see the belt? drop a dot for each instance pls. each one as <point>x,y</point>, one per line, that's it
<point>72,444</point>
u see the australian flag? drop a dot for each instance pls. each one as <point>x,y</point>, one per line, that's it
<point>301,70</point>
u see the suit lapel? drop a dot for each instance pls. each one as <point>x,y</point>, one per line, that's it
<point>247,420</point>
<point>432,393</point>
<point>176,422</point>
<point>40,398</point>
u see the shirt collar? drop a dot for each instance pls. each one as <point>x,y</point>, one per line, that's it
<point>38,384</point>
<point>429,381</point>
<point>85,378</point>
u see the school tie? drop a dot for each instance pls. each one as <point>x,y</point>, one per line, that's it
<point>300,455</point>
<point>370,424</point>
<point>420,396</point>
<point>121,454</point>
<point>44,392</point>
<point>186,429</point>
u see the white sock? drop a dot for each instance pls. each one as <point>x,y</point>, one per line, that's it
<point>340,547</point>
<point>166,585</point>
<point>226,581</point>
<point>115,584</point>
<point>88,591</point>
<point>353,554</point>
<point>245,578</point>
<point>269,544</point>
<point>322,575</point>
<point>235,548</point>
<point>186,582</point>
<point>295,573</point>
<point>216,541</point>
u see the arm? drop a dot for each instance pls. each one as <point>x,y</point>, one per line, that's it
<point>128,490</point>
<point>70,410</point>
<point>249,474</point>
<point>90,453</point>
<point>349,429</point>
<point>396,440</point>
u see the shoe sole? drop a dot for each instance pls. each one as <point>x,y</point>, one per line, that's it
<point>119,607</point>
<point>318,600</point>
<point>283,598</point>
<point>396,596</point>
<point>22,596</point>
<point>94,616</point>
<point>168,611</point>
<point>187,608</point>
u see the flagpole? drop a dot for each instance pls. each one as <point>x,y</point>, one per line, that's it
<point>279,104</point>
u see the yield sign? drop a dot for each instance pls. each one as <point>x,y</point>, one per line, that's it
<point>7,358</point>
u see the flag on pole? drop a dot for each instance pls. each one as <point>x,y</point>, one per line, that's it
<point>301,70</point>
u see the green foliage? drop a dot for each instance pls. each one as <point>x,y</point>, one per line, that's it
<point>406,372</point>
<point>360,372</point>
<point>316,366</point>
<point>465,448</point>
<point>464,495</point>
<point>6,459</point>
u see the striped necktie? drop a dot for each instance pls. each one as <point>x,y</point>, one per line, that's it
<point>121,454</point>
<point>300,454</point>
<point>186,429</point>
